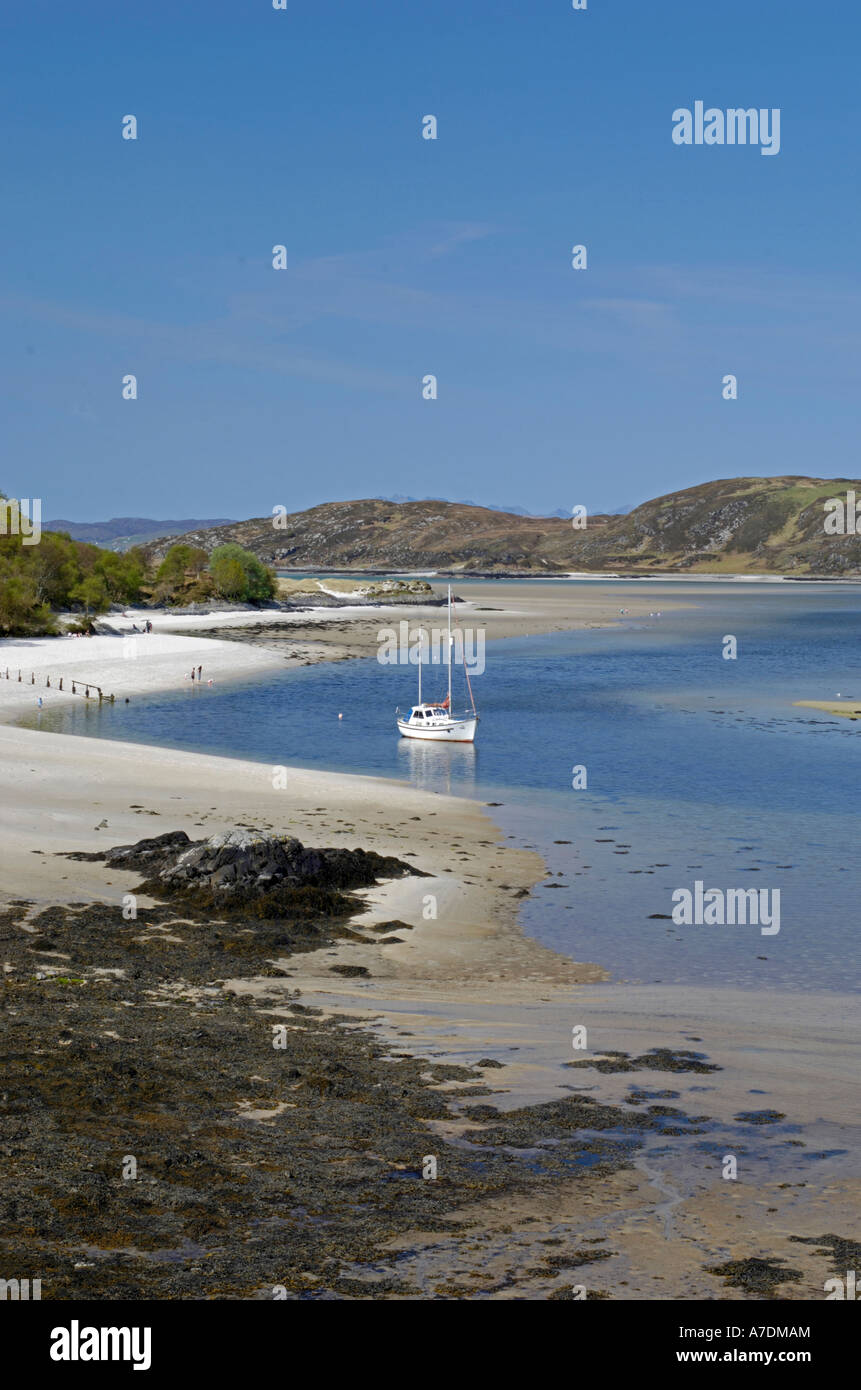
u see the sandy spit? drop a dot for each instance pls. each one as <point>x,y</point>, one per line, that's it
<point>847,709</point>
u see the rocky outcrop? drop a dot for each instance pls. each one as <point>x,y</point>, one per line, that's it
<point>145,855</point>
<point>245,864</point>
<point>259,873</point>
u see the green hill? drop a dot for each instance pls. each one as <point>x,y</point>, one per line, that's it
<point>731,526</point>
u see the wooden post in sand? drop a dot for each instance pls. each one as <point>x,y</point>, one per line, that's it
<point>75,683</point>
<point>61,682</point>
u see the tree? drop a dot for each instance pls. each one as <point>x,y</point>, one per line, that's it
<point>20,610</point>
<point>122,574</point>
<point>179,561</point>
<point>92,592</point>
<point>228,576</point>
<point>238,574</point>
<point>59,571</point>
<point>54,567</point>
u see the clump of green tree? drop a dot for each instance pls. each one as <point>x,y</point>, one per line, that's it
<point>181,577</point>
<point>239,575</point>
<point>188,575</point>
<point>58,573</point>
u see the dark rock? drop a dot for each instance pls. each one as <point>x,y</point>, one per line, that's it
<point>265,873</point>
<point>145,854</point>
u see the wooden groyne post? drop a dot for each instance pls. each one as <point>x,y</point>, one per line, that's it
<point>88,685</point>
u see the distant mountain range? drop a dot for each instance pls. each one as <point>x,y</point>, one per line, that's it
<point>122,532</point>
<point>731,526</point>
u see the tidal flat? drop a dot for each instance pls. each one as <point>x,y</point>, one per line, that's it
<point>162,1138</point>
<point>421,1133</point>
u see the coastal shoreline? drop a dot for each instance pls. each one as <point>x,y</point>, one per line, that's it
<point>128,663</point>
<point>469,990</point>
<point>467,985</point>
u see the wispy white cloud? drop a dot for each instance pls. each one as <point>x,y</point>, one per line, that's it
<point>653,318</point>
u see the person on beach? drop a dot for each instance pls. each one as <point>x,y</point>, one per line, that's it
<point>200,673</point>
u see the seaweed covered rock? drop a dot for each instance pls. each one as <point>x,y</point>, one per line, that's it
<point>264,874</point>
<point>239,861</point>
<point>247,863</point>
<point>145,855</point>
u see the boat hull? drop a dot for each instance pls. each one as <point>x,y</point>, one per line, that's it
<point>458,731</point>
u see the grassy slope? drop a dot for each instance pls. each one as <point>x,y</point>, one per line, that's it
<point>730,526</point>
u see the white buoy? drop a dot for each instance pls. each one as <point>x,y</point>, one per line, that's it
<point>340,716</point>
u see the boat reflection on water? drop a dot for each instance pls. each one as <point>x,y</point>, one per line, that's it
<point>438,767</point>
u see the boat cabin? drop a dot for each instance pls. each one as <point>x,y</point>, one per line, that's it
<point>428,714</point>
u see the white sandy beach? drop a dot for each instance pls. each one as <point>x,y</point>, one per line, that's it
<point>467,985</point>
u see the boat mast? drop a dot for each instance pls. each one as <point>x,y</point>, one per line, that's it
<point>449,652</point>
<point>421,646</point>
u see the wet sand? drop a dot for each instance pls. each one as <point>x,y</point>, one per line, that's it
<point>846,709</point>
<point>517,610</point>
<point>467,987</point>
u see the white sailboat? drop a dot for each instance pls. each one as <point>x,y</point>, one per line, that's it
<point>436,721</point>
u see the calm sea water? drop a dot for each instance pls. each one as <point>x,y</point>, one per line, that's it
<point>697,768</point>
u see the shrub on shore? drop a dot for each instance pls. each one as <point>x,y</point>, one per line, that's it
<point>37,579</point>
<point>187,574</point>
<point>181,577</point>
<point>238,574</point>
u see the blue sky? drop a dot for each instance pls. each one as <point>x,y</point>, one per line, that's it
<point>405,257</point>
